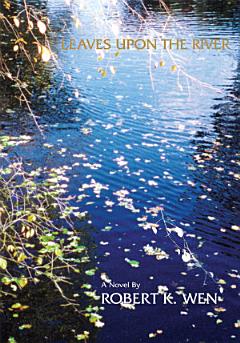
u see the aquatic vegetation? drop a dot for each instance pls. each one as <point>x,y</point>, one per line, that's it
<point>150,171</point>
<point>42,238</point>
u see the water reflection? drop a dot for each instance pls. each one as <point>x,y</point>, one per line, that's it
<point>49,318</point>
<point>130,148</point>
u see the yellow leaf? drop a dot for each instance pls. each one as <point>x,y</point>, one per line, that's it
<point>162,63</point>
<point>3,263</point>
<point>235,228</point>
<point>219,309</point>
<point>23,282</point>
<point>58,252</point>
<point>39,260</point>
<point>7,5</point>
<point>103,73</point>
<point>16,306</point>
<point>31,218</point>
<point>25,326</point>
<point>21,257</point>
<point>174,68</point>
<point>20,40</point>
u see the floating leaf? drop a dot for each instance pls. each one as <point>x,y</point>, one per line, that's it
<point>159,253</point>
<point>154,230</point>
<point>86,285</point>
<point>128,306</point>
<point>219,321</point>
<point>105,278</point>
<point>107,228</point>
<point>235,228</point>
<point>186,257</point>
<point>178,231</point>
<point>25,326</point>
<point>90,272</point>
<point>22,282</point>
<point>83,336</point>
<point>133,263</point>
<point>58,252</point>
<point>99,324</point>
<point>21,257</point>
<point>152,335</point>
<point>237,324</point>
<point>211,218</point>
<point>11,340</point>
<point>3,263</point>
<point>6,280</point>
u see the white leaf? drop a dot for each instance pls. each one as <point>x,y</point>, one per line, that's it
<point>41,27</point>
<point>105,278</point>
<point>16,21</point>
<point>178,231</point>
<point>113,70</point>
<point>45,54</point>
<point>128,306</point>
<point>221,289</point>
<point>186,257</point>
<point>154,230</point>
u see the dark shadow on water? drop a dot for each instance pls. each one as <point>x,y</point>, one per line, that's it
<point>50,319</point>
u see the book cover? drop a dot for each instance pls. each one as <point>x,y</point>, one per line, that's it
<point>119,171</point>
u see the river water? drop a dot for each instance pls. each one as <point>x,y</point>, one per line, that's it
<point>141,140</point>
